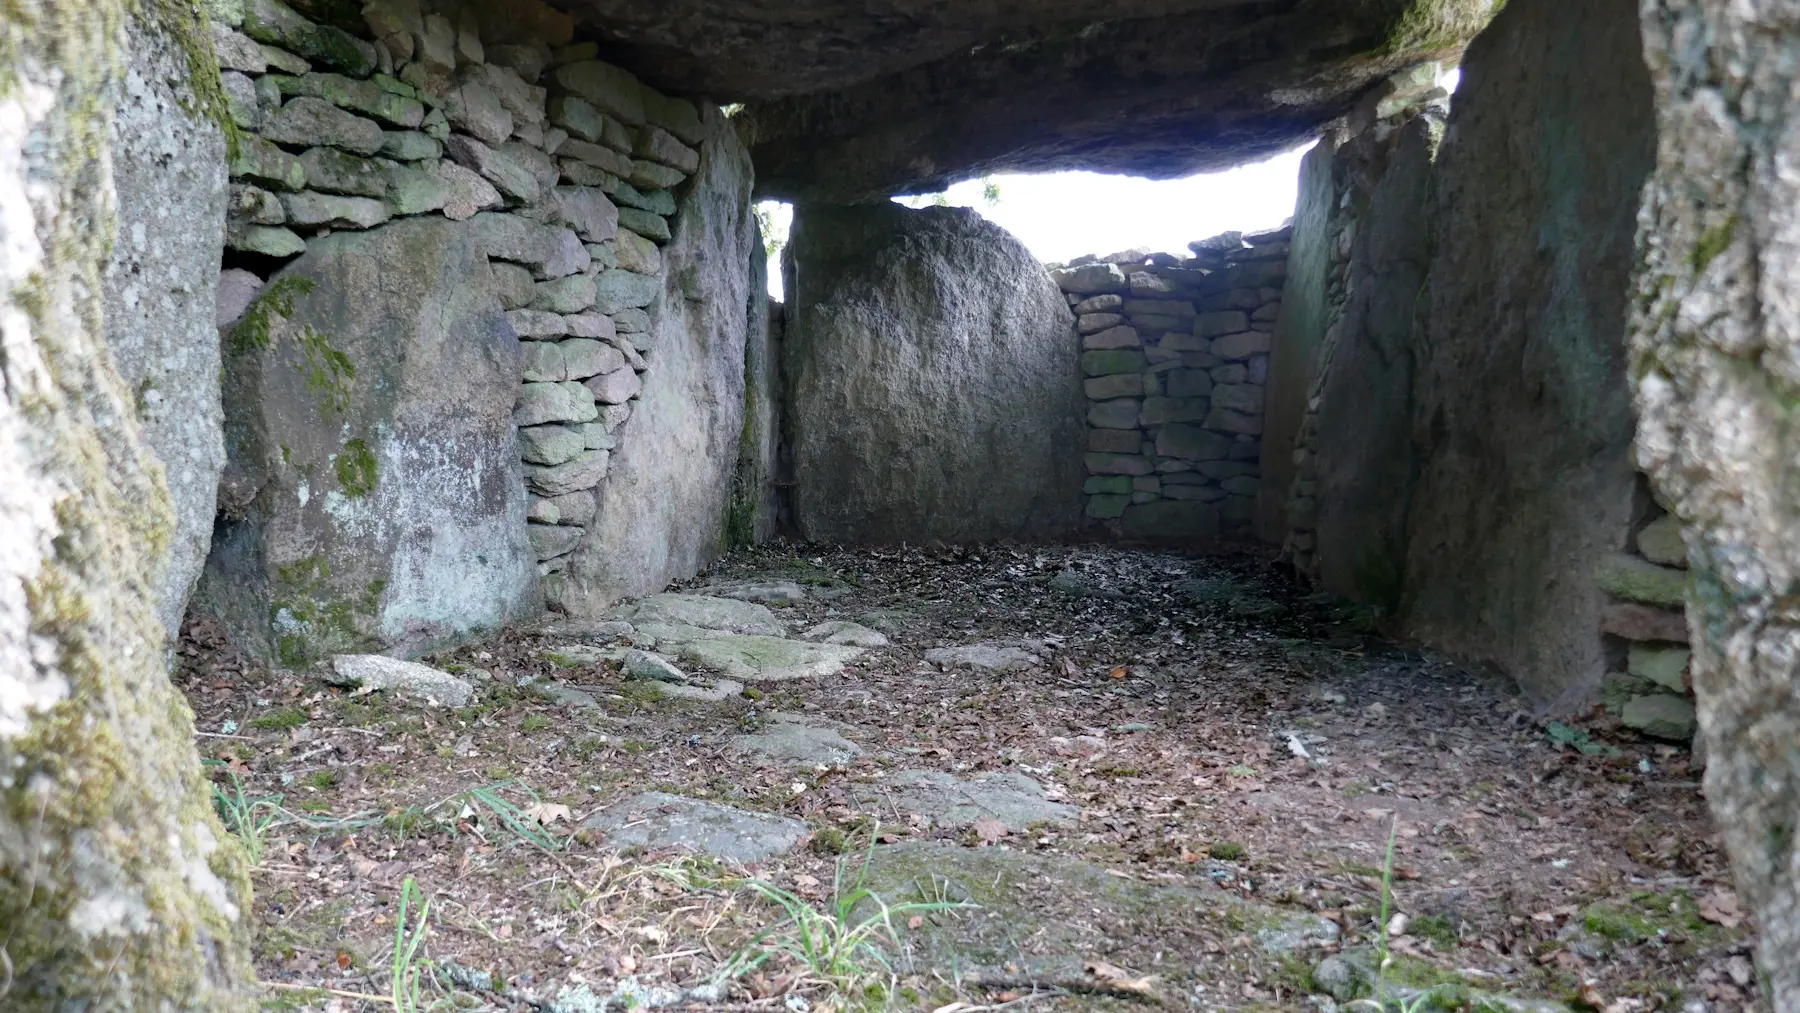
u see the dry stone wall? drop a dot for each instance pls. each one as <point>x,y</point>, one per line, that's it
<point>564,169</point>
<point>1175,359</point>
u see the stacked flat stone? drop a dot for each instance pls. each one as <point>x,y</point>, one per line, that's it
<point>490,114</point>
<point>1175,352</point>
<point>1645,620</point>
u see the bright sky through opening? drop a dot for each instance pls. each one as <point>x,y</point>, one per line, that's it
<point>1062,215</point>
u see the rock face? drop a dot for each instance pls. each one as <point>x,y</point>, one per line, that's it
<point>160,288</point>
<point>373,501</point>
<point>1715,335</point>
<point>1522,410</point>
<point>664,511</point>
<point>932,389</point>
<point>142,871</point>
<point>853,101</point>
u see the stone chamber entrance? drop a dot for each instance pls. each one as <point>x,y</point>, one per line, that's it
<point>535,615</point>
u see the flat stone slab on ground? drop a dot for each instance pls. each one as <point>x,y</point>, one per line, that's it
<point>771,592</point>
<point>600,629</point>
<point>698,691</point>
<point>724,615</point>
<point>802,741</point>
<point>839,631</point>
<point>377,672</point>
<point>645,665</point>
<point>1047,915</point>
<point>989,657</point>
<point>1013,799</point>
<point>657,821</point>
<point>767,659</point>
<point>574,655</point>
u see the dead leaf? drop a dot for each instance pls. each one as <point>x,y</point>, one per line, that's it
<point>547,813</point>
<point>1118,672</point>
<point>1590,997</point>
<point>1721,908</point>
<point>915,922</point>
<point>990,830</point>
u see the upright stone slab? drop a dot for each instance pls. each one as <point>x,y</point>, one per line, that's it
<point>1521,407</point>
<point>933,387</point>
<point>1364,443</point>
<point>664,508</point>
<point>161,285</point>
<point>373,501</point>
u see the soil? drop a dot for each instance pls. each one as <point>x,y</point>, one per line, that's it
<point>1215,726</point>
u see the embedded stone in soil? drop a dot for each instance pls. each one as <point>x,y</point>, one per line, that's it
<point>1015,800</point>
<point>723,615</point>
<point>801,741</point>
<point>1044,916</point>
<point>767,659</point>
<point>658,821</point>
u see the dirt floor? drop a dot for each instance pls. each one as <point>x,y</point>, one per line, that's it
<point>1223,736</point>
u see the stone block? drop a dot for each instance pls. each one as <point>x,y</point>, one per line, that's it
<point>514,285</point>
<point>1241,346</point>
<point>1632,621</point>
<point>306,121</point>
<point>585,209</point>
<point>466,193</point>
<point>638,254</point>
<point>1105,363</point>
<point>1168,309</point>
<point>607,88</point>
<point>616,387</point>
<point>554,402</point>
<point>570,294</point>
<point>277,24</point>
<point>1094,323</point>
<point>1118,464</point>
<point>584,471</point>
<point>536,325</point>
<point>549,541</point>
<point>663,148</point>
<point>676,115</point>
<point>1111,485</point>
<point>1660,716</point>
<point>1091,279</point>
<point>550,251</point>
<point>550,444</point>
<point>268,240</point>
<point>1239,397</point>
<point>1111,338</point>
<point>513,180</point>
<point>1241,485</point>
<point>1114,441</point>
<point>578,116</point>
<point>646,223</point>
<point>585,357</point>
<point>590,325</point>
<point>1119,414</point>
<point>1105,388</point>
<point>1184,383</point>
<point>1217,322</point>
<point>1227,469</point>
<point>657,202</point>
<point>1639,580</point>
<point>618,290</point>
<point>574,507</point>
<point>598,156</point>
<point>1233,373</point>
<point>1660,542</point>
<point>1108,303</point>
<point>1192,443</point>
<point>529,158</point>
<point>333,171</point>
<point>330,211</point>
<point>414,191</point>
<point>261,162</point>
<point>1228,421</point>
<point>366,97</point>
<point>1665,666</point>
<point>1161,410</point>
<point>544,362</point>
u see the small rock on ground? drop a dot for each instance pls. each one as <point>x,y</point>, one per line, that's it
<point>839,631</point>
<point>1015,800</point>
<point>598,629</point>
<point>767,659</point>
<point>567,696</point>
<point>990,657</point>
<point>711,691</point>
<point>793,739</point>
<point>657,820</point>
<point>375,672</point>
<point>724,615</point>
<point>644,665</point>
